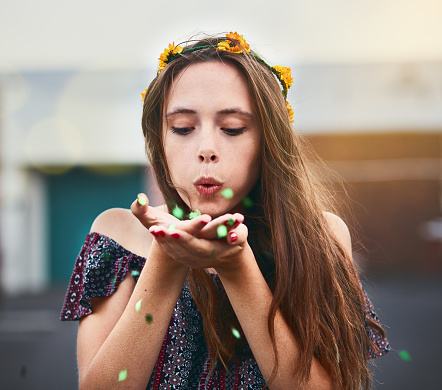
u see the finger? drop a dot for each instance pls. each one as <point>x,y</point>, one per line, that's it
<point>238,236</point>
<point>193,226</point>
<point>219,227</point>
<point>184,247</point>
<point>140,208</point>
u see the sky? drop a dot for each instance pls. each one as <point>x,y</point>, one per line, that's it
<point>56,34</point>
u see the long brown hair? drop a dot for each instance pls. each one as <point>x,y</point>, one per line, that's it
<point>313,280</point>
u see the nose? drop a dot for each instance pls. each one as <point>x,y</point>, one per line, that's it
<point>207,157</point>
<point>208,150</point>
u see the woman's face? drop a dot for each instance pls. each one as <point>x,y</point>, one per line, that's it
<point>211,137</point>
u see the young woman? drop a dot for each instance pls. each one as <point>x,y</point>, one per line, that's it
<point>244,279</point>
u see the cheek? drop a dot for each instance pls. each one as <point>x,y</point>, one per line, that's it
<point>178,159</point>
<point>249,166</point>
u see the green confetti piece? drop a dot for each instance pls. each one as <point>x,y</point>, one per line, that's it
<point>236,333</point>
<point>221,230</point>
<point>404,355</point>
<point>122,375</point>
<point>142,200</point>
<point>149,318</point>
<point>105,256</point>
<point>231,222</point>
<point>171,227</point>
<point>178,212</point>
<point>134,273</point>
<point>23,371</point>
<point>194,214</point>
<point>227,193</point>
<point>138,306</point>
<point>212,253</point>
<point>247,202</point>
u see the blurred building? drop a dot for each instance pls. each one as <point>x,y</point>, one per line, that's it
<point>71,147</point>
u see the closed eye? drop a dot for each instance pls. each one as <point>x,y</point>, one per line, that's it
<point>182,130</point>
<point>234,132</point>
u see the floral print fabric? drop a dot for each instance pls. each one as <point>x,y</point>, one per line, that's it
<point>183,362</point>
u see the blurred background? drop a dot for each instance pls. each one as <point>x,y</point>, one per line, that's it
<point>367,94</point>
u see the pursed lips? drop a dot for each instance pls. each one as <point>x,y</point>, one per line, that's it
<point>207,186</point>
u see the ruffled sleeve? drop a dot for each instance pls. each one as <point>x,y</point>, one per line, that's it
<point>99,269</point>
<point>381,343</point>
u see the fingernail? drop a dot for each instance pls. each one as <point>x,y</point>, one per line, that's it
<point>161,233</point>
<point>233,236</point>
<point>204,223</point>
<point>174,235</point>
<point>142,200</point>
<point>154,233</point>
<point>230,222</point>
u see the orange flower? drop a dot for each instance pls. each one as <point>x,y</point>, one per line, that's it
<point>290,111</point>
<point>234,43</point>
<point>236,37</point>
<point>143,95</point>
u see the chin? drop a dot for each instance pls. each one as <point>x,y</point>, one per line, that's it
<point>221,207</point>
<point>214,209</point>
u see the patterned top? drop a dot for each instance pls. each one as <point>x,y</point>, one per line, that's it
<point>183,362</point>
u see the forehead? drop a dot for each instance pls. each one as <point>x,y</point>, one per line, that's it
<point>209,85</point>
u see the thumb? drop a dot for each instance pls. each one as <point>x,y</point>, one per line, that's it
<point>140,208</point>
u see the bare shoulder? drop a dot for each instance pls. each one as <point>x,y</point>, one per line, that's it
<point>340,230</point>
<point>123,227</point>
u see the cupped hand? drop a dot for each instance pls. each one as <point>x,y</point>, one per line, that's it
<point>217,244</point>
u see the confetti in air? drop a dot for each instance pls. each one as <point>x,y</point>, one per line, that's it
<point>404,355</point>
<point>236,333</point>
<point>23,371</point>
<point>231,222</point>
<point>221,230</point>
<point>122,375</point>
<point>178,212</point>
<point>141,200</point>
<point>227,193</point>
<point>194,214</point>
<point>134,273</point>
<point>171,227</point>
<point>247,202</point>
<point>138,306</point>
<point>149,318</point>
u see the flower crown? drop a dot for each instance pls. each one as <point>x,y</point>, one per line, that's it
<point>235,43</point>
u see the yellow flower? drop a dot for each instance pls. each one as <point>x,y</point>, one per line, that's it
<point>285,74</point>
<point>164,56</point>
<point>232,43</point>
<point>143,95</point>
<point>224,45</point>
<point>290,111</point>
<point>175,49</point>
<point>161,66</point>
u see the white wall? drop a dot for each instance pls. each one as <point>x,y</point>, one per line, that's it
<point>53,34</point>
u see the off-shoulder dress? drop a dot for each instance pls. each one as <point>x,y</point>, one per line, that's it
<point>183,362</point>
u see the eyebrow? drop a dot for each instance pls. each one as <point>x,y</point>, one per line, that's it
<point>227,111</point>
<point>180,110</point>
